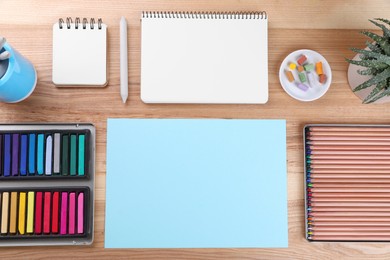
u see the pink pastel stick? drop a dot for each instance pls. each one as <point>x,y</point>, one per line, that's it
<point>72,212</point>
<point>64,213</point>
<point>80,213</point>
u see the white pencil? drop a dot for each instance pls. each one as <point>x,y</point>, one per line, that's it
<point>124,91</point>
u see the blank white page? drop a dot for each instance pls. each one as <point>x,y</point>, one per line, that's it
<point>80,55</point>
<point>204,58</point>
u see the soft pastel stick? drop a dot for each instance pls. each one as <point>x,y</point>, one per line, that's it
<point>72,213</point>
<point>290,76</point>
<point>4,213</point>
<point>38,212</point>
<point>15,154</point>
<point>302,77</point>
<point>30,211</point>
<point>13,210</point>
<point>292,66</point>
<point>55,210</point>
<point>322,78</point>
<point>40,145</point>
<point>80,213</point>
<point>23,155</point>
<point>302,86</point>
<point>22,213</point>
<point>65,155</point>
<point>48,157</point>
<point>64,213</point>
<point>81,161</point>
<point>300,69</point>
<point>73,154</point>
<point>319,68</point>
<point>309,67</point>
<point>7,155</point>
<point>301,59</point>
<point>46,212</point>
<point>31,154</point>
<point>56,156</point>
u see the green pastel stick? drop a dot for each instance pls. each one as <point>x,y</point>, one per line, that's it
<point>308,67</point>
<point>302,77</point>
<point>81,161</point>
<point>65,155</point>
<point>73,154</point>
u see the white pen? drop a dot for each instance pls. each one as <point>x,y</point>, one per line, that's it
<point>124,88</point>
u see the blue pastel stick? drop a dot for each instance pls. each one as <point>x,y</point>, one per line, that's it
<point>40,145</point>
<point>23,155</point>
<point>31,154</point>
<point>7,155</point>
<point>15,154</point>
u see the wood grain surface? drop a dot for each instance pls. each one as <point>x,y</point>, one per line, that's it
<point>328,26</point>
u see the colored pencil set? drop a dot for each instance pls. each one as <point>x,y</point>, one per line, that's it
<point>42,213</point>
<point>46,184</point>
<point>43,154</point>
<point>347,182</point>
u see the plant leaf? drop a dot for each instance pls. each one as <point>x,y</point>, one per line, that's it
<point>374,80</point>
<point>374,47</point>
<point>377,56</point>
<point>386,31</point>
<point>369,63</point>
<point>369,71</point>
<point>381,85</point>
<point>383,20</point>
<point>386,92</point>
<point>380,40</point>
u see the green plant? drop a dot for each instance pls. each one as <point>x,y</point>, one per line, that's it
<point>376,59</point>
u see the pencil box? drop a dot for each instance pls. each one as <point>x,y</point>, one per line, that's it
<point>347,182</point>
<point>47,175</point>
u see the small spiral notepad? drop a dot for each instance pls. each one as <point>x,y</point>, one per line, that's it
<point>196,57</point>
<point>80,52</point>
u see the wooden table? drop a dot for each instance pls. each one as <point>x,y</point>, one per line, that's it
<point>329,26</point>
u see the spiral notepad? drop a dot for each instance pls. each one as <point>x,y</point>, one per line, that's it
<point>80,52</point>
<point>189,57</point>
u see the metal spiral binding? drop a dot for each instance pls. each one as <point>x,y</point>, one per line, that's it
<point>78,22</point>
<point>206,15</point>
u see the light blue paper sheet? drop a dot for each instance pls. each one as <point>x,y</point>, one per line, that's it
<point>196,183</point>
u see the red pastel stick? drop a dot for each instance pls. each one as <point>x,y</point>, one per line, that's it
<point>80,213</point>
<point>72,213</point>
<point>38,212</point>
<point>46,213</point>
<point>54,215</point>
<point>64,213</point>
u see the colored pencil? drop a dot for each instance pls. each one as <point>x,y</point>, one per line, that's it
<point>348,194</point>
<point>357,199</point>
<point>349,166</point>
<point>365,179</point>
<point>364,148</point>
<point>350,213</point>
<point>346,152</point>
<point>349,238</point>
<point>353,143</point>
<point>349,204</point>
<point>347,157</point>
<point>349,228</point>
<point>349,218</point>
<point>348,129</point>
<point>350,223</point>
<point>349,185</point>
<point>383,172</point>
<point>349,189</point>
<point>343,209</point>
<point>348,138</point>
<point>352,162</point>
<point>342,133</point>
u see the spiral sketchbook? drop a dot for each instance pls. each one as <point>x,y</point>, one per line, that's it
<point>80,52</point>
<point>204,57</point>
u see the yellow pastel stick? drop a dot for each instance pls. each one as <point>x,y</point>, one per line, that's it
<point>22,213</point>
<point>30,212</point>
<point>4,213</point>
<point>12,214</point>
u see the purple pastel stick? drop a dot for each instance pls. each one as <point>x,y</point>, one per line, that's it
<point>15,154</point>
<point>302,86</point>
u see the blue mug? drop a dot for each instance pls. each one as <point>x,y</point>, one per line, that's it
<point>19,79</point>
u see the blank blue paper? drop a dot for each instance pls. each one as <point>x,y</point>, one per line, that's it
<point>209,183</point>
